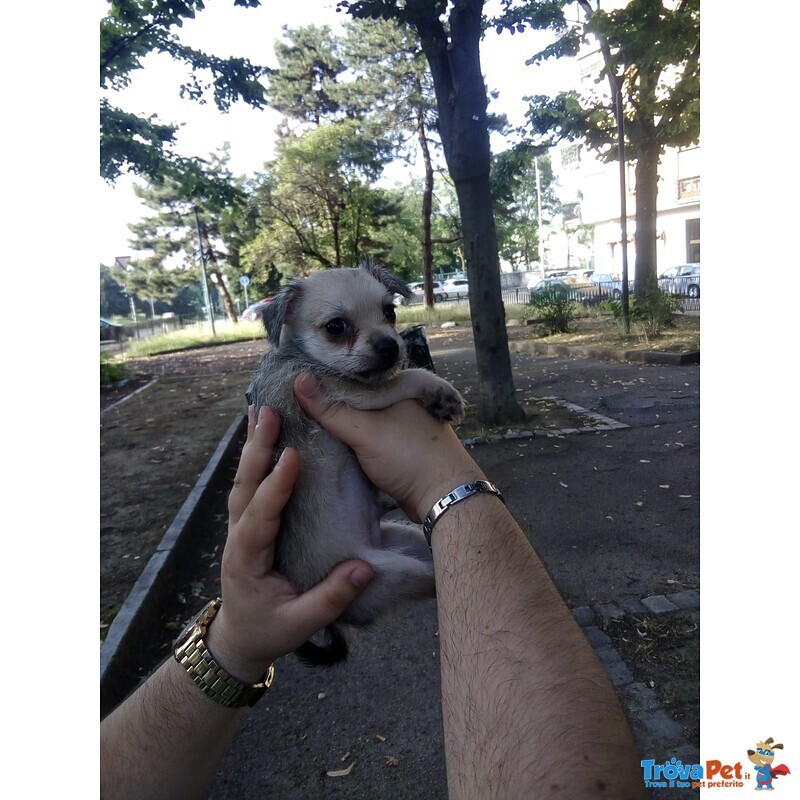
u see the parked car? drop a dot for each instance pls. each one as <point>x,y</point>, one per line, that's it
<point>555,286</point>
<point>681,280</point>
<point>607,285</point>
<point>418,293</point>
<point>578,276</point>
<point>253,312</point>
<point>455,288</point>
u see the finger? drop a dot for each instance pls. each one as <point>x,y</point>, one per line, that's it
<point>250,543</point>
<point>343,422</point>
<point>256,458</point>
<point>325,602</point>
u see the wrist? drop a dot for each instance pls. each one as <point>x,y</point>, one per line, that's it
<point>442,485</point>
<point>229,655</point>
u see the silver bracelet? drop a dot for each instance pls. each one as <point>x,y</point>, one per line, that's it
<point>459,493</point>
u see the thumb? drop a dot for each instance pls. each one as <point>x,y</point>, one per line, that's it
<point>336,418</point>
<point>327,600</point>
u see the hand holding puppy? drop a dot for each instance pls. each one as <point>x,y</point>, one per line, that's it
<point>393,447</point>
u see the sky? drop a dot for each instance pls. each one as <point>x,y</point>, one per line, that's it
<point>227,30</point>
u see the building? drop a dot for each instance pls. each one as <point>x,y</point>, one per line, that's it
<point>594,189</point>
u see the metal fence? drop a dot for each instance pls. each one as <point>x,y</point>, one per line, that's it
<point>591,294</point>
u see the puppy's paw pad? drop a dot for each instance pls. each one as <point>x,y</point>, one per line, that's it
<point>446,404</point>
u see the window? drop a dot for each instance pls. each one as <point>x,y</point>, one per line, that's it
<point>688,189</point>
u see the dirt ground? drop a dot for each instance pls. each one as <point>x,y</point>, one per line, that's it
<point>160,428</point>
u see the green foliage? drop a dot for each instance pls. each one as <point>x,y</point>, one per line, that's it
<point>305,85</point>
<point>130,31</point>
<point>554,308</point>
<point>110,370</point>
<point>651,313</point>
<point>653,47</point>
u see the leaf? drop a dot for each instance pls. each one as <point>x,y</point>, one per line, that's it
<point>341,773</point>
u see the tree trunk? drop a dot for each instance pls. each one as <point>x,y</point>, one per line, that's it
<point>427,211</point>
<point>645,269</point>
<point>214,269</point>
<point>461,101</point>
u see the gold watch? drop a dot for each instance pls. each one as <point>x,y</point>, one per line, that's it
<point>191,653</point>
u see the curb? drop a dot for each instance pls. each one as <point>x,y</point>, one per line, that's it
<point>141,606</point>
<point>607,353</point>
<point>650,721</point>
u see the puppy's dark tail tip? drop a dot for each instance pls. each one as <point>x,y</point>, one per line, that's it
<point>333,651</point>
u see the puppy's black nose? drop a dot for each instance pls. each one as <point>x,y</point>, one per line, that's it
<point>387,350</point>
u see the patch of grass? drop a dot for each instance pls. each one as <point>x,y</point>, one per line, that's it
<point>111,371</point>
<point>197,335</point>
<point>443,312</point>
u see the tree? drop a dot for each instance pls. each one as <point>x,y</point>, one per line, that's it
<point>651,50</point>
<point>452,49</point>
<point>131,30</point>
<point>113,301</point>
<point>305,84</point>
<point>317,207</point>
<point>395,87</point>
<point>169,236</point>
<point>522,180</point>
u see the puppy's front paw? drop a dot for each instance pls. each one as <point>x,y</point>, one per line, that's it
<point>444,403</point>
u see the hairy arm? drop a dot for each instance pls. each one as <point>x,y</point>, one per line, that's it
<point>165,741</point>
<point>528,710</point>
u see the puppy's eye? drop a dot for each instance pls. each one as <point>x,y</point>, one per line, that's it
<point>388,313</point>
<point>337,326</point>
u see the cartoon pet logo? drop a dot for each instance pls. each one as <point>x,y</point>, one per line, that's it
<point>762,757</point>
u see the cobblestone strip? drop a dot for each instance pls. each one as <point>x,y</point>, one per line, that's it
<point>602,424</point>
<point>644,709</point>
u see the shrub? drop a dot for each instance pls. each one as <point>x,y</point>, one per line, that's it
<point>652,313</point>
<point>110,371</point>
<point>554,308</point>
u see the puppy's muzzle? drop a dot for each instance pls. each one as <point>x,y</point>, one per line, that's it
<point>387,352</point>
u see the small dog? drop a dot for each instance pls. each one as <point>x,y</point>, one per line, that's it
<point>339,325</point>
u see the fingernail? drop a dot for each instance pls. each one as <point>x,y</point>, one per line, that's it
<point>360,577</point>
<point>308,385</point>
<point>261,412</point>
<point>251,414</point>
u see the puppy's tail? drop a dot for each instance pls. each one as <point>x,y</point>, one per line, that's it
<point>333,651</point>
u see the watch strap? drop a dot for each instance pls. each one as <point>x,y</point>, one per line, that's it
<point>222,687</point>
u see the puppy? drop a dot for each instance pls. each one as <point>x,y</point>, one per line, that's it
<point>339,325</point>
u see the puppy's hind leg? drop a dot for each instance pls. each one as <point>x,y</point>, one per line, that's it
<point>398,578</point>
<point>405,537</point>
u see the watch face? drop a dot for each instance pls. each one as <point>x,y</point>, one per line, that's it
<point>186,632</point>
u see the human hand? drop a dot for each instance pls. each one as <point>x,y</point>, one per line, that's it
<point>402,449</point>
<point>263,616</point>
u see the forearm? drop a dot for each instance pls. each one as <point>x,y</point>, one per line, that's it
<point>165,741</point>
<point>527,706</point>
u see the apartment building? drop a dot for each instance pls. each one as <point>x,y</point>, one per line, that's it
<point>592,188</point>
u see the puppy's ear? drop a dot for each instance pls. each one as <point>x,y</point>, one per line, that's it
<point>391,282</point>
<point>274,315</point>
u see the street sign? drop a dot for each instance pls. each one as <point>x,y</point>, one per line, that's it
<point>244,280</point>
